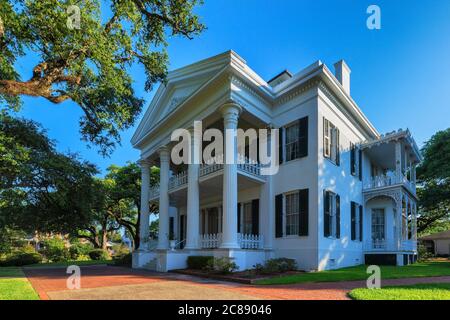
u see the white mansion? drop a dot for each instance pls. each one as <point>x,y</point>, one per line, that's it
<point>344,194</point>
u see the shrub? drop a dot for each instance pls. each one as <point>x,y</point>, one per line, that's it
<point>99,254</point>
<point>423,253</point>
<point>119,251</point>
<point>198,262</point>
<point>22,259</point>
<point>55,250</point>
<point>222,265</point>
<point>124,260</point>
<point>79,249</point>
<point>276,266</point>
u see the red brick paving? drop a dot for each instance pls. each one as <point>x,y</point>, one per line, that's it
<point>48,280</point>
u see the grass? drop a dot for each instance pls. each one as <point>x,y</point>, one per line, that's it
<point>69,263</point>
<point>15,286</point>
<point>423,269</point>
<point>432,291</point>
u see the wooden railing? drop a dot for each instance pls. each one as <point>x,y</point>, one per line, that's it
<point>246,241</point>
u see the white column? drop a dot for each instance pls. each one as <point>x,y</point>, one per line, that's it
<point>163,234</point>
<point>144,218</point>
<point>193,193</point>
<point>230,112</point>
<point>398,159</point>
<point>267,212</point>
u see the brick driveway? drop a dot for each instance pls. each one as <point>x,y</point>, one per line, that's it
<point>109,283</point>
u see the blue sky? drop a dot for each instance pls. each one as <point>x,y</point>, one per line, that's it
<point>400,74</point>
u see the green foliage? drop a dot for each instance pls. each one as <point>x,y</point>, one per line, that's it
<point>277,265</point>
<point>90,65</point>
<point>42,189</point>
<point>431,291</point>
<point>434,183</point>
<point>80,250</point>
<point>54,250</point>
<point>423,253</point>
<point>223,265</point>
<point>198,262</point>
<point>99,254</point>
<point>124,260</point>
<point>22,259</point>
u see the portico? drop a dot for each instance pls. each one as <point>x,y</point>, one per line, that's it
<point>203,226</point>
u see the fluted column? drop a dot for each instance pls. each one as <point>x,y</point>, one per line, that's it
<point>163,234</point>
<point>193,203</point>
<point>230,112</point>
<point>144,213</point>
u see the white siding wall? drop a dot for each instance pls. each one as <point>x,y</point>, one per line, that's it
<point>299,174</point>
<point>338,253</point>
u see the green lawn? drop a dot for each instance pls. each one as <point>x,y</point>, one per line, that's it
<point>15,286</point>
<point>68,263</point>
<point>424,269</point>
<point>432,291</point>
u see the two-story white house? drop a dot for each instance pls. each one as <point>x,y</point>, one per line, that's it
<point>344,194</point>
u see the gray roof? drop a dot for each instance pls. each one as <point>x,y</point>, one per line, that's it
<point>436,236</point>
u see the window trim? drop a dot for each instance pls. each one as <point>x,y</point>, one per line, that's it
<point>284,235</point>
<point>333,215</point>
<point>333,142</point>
<point>297,141</point>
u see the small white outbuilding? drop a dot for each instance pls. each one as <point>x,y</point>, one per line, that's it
<point>439,243</point>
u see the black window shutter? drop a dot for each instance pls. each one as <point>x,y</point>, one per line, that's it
<point>255,216</point>
<point>280,146</point>
<point>303,212</point>
<point>326,214</point>
<point>353,220</point>
<point>360,223</point>
<point>172,226</point>
<point>360,164</point>
<point>353,159</point>
<point>338,152</point>
<point>338,216</point>
<point>238,217</point>
<point>279,216</point>
<point>303,137</point>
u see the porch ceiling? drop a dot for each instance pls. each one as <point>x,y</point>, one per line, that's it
<point>383,155</point>
<point>211,188</point>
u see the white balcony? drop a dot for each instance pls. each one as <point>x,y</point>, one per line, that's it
<point>246,241</point>
<point>245,166</point>
<point>387,180</point>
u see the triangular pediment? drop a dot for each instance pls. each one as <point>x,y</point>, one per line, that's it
<point>180,85</point>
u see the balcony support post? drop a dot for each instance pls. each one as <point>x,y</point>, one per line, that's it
<point>163,234</point>
<point>193,202</point>
<point>230,112</point>
<point>145,208</point>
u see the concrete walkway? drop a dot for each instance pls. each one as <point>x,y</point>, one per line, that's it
<point>117,283</point>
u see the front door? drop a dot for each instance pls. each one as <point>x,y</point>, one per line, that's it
<point>378,228</point>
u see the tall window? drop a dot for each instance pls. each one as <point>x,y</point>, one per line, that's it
<point>247,218</point>
<point>355,160</point>
<point>332,219</point>
<point>356,221</point>
<point>292,142</point>
<point>330,141</point>
<point>292,213</point>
